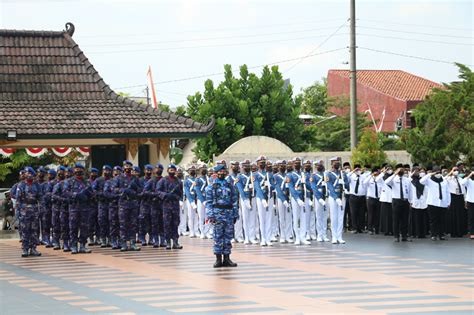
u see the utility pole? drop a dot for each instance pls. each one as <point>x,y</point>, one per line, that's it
<point>353,78</point>
<point>147,96</point>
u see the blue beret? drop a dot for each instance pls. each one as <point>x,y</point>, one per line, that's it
<point>79,165</point>
<point>29,169</point>
<point>107,167</point>
<point>117,168</point>
<point>93,169</point>
<point>61,168</point>
<point>148,167</point>
<point>41,169</point>
<point>69,169</point>
<point>127,162</point>
<point>52,172</point>
<point>172,166</point>
<point>159,165</point>
<point>219,167</point>
<point>137,169</point>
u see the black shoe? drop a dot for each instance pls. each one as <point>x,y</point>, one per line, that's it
<point>84,250</point>
<point>176,245</point>
<point>371,232</point>
<point>103,243</point>
<point>24,253</point>
<point>156,245</point>
<point>168,245</point>
<point>133,247</point>
<point>433,238</point>
<point>442,238</point>
<point>124,248</point>
<point>74,250</point>
<point>227,262</point>
<point>404,239</point>
<point>34,252</point>
<point>218,262</point>
<point>397,239</point>
<point>66,247</point>
<point>56,246</point>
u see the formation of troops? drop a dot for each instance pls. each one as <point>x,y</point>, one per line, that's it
<point>260,202</point>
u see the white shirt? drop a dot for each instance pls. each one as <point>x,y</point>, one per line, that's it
<point>432,198</point>
<point>468,183</point>
<point>362,189</point>
<point>453,186</point>
<point>406,186</point>
<point>371,182</point>
<point>386,194</point>
<point>418,203</point>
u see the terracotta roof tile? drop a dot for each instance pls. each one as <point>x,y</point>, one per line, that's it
<point>397,83</point>
<point>48,86</point>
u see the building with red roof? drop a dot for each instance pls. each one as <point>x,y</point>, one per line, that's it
<point>388,96</point>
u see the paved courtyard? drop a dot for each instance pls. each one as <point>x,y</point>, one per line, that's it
<point>368,275</point>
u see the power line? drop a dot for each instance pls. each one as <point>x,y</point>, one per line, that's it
<point>221,73</point>
<point>410,56</point>
<point>208,38</point>
<point>319,46</point>
<point>410,32</point>
<point>212,45</point>
<point>420,25</point>
<point>414,39</point>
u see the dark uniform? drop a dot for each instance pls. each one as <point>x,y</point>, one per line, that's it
<point>103,205</point>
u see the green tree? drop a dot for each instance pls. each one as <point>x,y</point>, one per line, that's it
<point>444,129</point>
<point>314,98</point>
<point>10,166</point>
<point>369,149</point>
<point>246,106</point>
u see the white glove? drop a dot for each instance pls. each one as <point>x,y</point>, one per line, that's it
<point>300,203</point>
<point>264,203</point>
<point>194,206</point>
<point>339,202</point>
<point>322,202</point>
<point>285,203</point>
<point>247,204</point>
<point>180,204</point>
<point>204,203</point>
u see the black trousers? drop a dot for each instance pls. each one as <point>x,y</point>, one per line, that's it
<point>436,220</point>
<point>357,204</point>
<point>420,221</point>
<point>386,218</point>
<point>401,208</point>
<point>347,214</point>
<point>470,217</point>
<point>457,216</point>
<point>373,214</point>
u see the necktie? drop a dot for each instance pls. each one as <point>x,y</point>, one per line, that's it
<point>401,188</point>
<point>440,192</point>
<point>459,186</point>
<point>376,190</point>
<point>357,185</point>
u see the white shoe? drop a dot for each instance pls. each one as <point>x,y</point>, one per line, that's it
<point>306,242</point>
<point>308,238</point>
<point>313,237</point>
<point>297,242</point>
<point>289,240</point>
<point>341,241</point>
<point>232,240</point>
<point>320,239</point>
<point>282,241</point>
<point>255,242</point>
<point>334,241</point>
<point>239,240</point>
<point>326,239</point>
<point>269,244</point>
<point>185,233</point>
<point>202,236</point>
<point>263,243</point>
<point>274,239</point>
<point>246,242</point>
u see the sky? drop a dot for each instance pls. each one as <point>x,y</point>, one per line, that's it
<point>186,42</point>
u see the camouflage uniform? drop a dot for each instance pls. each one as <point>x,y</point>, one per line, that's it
<point>102,208</point>
<point>144,219</point>
<point>170,190</point>
<point>127,188</point>
<point>111,194</point>
<point>28,195</point>
<point>60,216</point>
<point>47,208</point>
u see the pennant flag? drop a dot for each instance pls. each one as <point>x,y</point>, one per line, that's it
<point>6,152</point>
<point>85,151</point>
<point>61,152</point>
<point>36,152</point>
<point>381,120</point>
<point>151,88</point>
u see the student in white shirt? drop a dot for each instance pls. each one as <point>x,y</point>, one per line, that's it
<point>401,190</point>
<point>418,203</point>
<point>438,200</point>
<point>468,183</point>
<point>386,218</point>
<point>457,213</point>
<point>374,189</point>
<point>358,198</point>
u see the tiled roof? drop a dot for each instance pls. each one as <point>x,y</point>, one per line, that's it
<point>48,86</point>
<point>396,83</point>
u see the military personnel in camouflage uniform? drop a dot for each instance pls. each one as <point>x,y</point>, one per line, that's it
<point>103,205</point>
<point>112,196</point>
<point>222,209</point>
<point>28,194</point>
<point>144,219</point>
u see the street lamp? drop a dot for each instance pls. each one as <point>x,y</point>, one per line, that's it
<point>11,135</point>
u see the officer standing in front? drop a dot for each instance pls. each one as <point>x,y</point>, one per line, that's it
<point>222,209</point>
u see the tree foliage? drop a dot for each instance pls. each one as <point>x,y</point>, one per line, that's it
<point>369,149</point>
<point>314,98</point>
<point>10,166</point>
<point>444,129</point>
<point>245,106</point>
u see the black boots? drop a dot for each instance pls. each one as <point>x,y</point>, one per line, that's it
<point>176,245</point>
<point>134,247</point>
<point>227,262</point>
<point>34,252</point>
<point>24,253</point>
<point>168,244</point>
<point>218,262</point>
<point>84,250</point>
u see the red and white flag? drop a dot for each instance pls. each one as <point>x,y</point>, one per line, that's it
<point>151,88</point>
